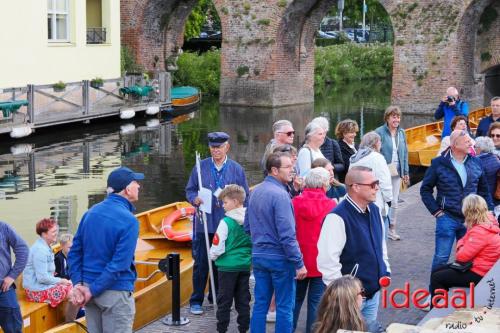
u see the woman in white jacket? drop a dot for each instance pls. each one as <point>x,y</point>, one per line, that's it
<point>369,156</point>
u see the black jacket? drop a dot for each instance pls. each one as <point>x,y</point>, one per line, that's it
<point>331,150</point>
<point>346,152</point>
<point>61,265</point>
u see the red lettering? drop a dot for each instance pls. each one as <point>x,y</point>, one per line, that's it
<point>461,295</point>
<point>440,295</point>
<point>384,298</point>
<point>405,292</point>
<point>419,295</point>
<point>471,295</point>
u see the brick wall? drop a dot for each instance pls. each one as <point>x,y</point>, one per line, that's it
<point>268,47</point>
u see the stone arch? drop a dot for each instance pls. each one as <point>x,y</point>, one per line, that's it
<point>154,29</point>
<point>470,44</point>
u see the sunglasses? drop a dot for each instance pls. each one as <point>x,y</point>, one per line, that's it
<point>288,133</point>
<point>373,185</point>
<point>494,135</point>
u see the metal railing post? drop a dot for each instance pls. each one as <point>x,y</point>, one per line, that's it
<point>171,267</point>
<point>31,103</point>
<point>85,96</point>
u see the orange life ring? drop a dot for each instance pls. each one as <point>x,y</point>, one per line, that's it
<point>167,222</point>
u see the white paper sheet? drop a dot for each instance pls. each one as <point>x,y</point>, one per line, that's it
<point>206,195</point>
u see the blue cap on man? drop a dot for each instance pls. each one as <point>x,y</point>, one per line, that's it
<point>120,178</point>
<point>215,139</point>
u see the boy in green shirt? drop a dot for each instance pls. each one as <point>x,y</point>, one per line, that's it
<point>231,249</point>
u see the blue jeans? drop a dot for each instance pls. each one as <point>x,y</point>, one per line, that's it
<point>369,310</point>
<point>447,230</point>
<point>10,314</point>
<point>314,288</point>
<point>200,269</point>
<point>387,222</point>
<point>278,276</point>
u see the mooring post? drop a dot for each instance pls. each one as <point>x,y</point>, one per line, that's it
<point>31,103</point>
<point>85,96</point>
<point>171,267</point>
<point>165,86</point>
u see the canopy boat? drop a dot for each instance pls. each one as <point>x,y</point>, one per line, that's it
<point>424,141</point>
<point>184,98</point>
<point>152,290</point>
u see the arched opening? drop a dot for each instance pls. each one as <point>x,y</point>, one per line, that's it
<point>479,40</point>
<point>491,84</point>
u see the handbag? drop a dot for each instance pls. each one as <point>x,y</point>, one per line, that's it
<point>393,170</point>
<point>461,266</point>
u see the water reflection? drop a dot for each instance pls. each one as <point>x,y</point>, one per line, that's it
<point>61,173</point>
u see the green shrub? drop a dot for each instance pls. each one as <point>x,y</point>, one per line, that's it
<point>201,71</point>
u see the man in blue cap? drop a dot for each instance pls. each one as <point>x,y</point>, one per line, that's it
<point>101,260</point>
<point>217,171</point>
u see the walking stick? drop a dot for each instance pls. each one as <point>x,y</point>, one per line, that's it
<point>203,216</point>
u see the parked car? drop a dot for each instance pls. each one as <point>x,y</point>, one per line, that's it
<point>322,34</point>
<point>333,34</point>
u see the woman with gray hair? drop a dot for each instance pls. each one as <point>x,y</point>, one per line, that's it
<point>314,137</point>
<point>310,208</point>
<point>491,164</point>
<point>369,156</point>
<point>330,148</point>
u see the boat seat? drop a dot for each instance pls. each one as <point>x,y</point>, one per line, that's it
<point>9,107</point>
<point>152,235</point>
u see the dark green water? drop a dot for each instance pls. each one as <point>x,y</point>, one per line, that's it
<point>61,172</point>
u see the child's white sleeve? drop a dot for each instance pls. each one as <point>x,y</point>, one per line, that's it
<point>219,242</point>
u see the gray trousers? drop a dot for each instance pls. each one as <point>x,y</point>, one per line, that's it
<point>112,311</point>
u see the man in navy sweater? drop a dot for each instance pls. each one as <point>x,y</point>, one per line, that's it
<point>10,314</point>
<point>352,241</point>
<point>276,257</point>
<point>101,260</point>
<point>484,124</point>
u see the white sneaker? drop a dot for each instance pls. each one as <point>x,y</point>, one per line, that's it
<point>392,235</point>
<point>271,317</point>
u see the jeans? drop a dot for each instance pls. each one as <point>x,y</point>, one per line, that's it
<point>369,310</point>
<point>200,270</point>
<point>278,276</point>
<point>447,230</point>
<point>396,186</point>
<point>314,287</point>
<point>233,285</point>
<point>10,314</point>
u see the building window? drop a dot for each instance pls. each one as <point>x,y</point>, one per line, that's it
<point>96,32</point>
<point>58,20</point>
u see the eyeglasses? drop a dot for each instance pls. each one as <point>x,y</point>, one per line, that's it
<point>286,167</point>
<point>290,133</point>
<point>494,135</point>
<point>373,185</point>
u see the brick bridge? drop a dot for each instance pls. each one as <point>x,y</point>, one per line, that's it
<point>268,46</point>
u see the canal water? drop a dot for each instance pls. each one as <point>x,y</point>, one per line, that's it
<point>60,173</point>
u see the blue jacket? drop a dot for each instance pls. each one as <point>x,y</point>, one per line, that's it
<point>231,173</point>
<point>491,165</point>
<point>271,223</point>
<point>484,125</point>
<point>450,192</point>
<point>103,248</point>
<point>386,150</point>
<point>39,272</point>
<point>364,244</point>
<point>461,108</point>
<point>331,150</point>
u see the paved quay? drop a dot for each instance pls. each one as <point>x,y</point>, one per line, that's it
<point>410,260</point>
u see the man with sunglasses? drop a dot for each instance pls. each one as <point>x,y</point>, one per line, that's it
<point>352,241</point>
<point>454,174</point>
<point>484,124</point>
<point>283,134</point>
<point>217,171</point>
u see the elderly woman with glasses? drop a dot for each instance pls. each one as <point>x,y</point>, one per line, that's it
<point>310,209</point>
<point>494,134</point>
<point>459,123</point>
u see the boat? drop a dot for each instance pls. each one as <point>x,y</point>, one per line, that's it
<point>184,99</point>
<point>424,141</point>
<point>152,289</point>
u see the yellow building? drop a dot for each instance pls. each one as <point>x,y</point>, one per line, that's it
<point>43,42</point>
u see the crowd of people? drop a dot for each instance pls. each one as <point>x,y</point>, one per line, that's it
<point>316,227</point>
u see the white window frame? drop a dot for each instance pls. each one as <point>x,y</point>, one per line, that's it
<point>54,12</point>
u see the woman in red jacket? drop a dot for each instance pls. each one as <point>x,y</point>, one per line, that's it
<point>480,245</point>
<point>310,208</point>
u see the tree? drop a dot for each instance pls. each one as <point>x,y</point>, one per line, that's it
<point>204,13</point>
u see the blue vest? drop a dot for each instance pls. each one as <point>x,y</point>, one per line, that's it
<point>363,245</point>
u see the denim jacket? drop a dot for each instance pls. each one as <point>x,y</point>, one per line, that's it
<point>39,272</point>
<point>386,149</point>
